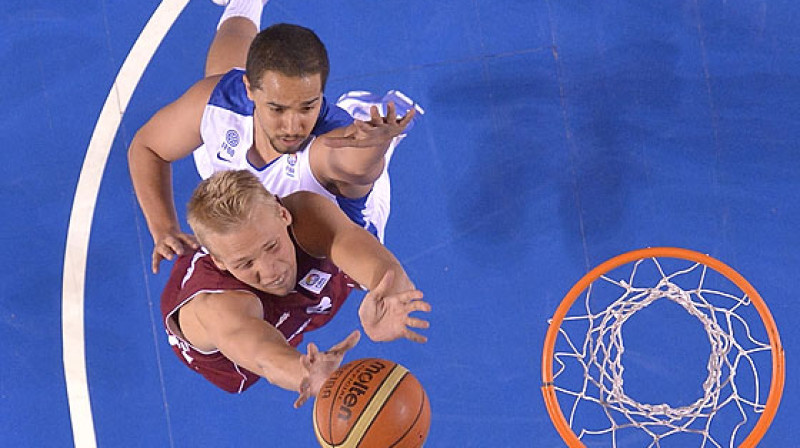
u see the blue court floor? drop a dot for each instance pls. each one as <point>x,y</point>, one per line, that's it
<point>557,134</point>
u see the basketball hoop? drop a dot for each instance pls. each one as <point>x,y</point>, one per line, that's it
<point>585,342</point>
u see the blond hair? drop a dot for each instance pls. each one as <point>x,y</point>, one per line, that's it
<point>225,201</point>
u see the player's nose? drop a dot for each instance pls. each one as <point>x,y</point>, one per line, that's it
<point>269,271</point>
<point>292,123</point>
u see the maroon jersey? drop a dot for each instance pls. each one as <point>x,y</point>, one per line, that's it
<point>320,291</point>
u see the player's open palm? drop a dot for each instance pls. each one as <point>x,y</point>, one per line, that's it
<point>378,130</point>
<point>387,316</point>
<point>320,365</point>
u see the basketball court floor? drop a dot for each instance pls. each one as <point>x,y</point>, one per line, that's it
<point>556,135</point>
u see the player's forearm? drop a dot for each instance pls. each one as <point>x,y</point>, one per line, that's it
<point>152,182</point>
<point>283,367</point>
<point>366,261</point>
<point>360,165</point>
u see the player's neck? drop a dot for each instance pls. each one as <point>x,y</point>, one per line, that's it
<point>261,153</point>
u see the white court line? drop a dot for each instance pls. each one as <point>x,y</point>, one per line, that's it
<point>80,222</point>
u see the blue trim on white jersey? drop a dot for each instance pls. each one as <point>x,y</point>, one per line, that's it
<point>354,209</point>
<point>270,163</point>
<point>231,94</point>
<point>331,117</point>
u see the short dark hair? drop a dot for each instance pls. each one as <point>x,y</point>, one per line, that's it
<point>291,50</point>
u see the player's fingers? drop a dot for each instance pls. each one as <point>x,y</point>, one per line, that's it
<point>156,260</point>
<point>190,240</point>
<point>162,252</point>
<point>351,141</point>
<point>348,343</point>
<point>165,250</point>
<point>407,297</point>
<point>175,245</point>
<point>415,337</point>
<point>313,352</point>
<point>419,305</point>
<point>403,122</point>
<point>417,323</point>
<point>366,129</point>
<point>168,247</point>
<point>391,112</point>
<point>375,114</point>
<point>305,393</point>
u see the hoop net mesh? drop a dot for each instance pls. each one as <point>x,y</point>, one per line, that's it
<point>588,369</point>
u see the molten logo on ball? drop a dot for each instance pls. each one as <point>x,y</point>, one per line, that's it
<point>372,403</point>
<point>360,386</point>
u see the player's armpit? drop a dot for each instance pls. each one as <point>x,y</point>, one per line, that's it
<point>233,323</point>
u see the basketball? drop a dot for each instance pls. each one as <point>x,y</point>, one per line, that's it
<point>372,403</point>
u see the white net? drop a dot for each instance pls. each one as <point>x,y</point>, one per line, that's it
<point>589,359</point>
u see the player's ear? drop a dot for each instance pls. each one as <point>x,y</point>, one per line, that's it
<point>247,87</point>
<point>218,263</point>
<point>285,215</point>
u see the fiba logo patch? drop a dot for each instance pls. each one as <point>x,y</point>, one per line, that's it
<point>315,280</point>
<point>291,161</point>
<point>311,279</point>
<point>226,151</point>
<point>232,137</point>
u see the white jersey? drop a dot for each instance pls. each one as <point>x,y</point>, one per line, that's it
<point>227,132</point>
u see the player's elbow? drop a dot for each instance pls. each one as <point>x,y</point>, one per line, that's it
<point>137,150</point>
<point>362,175</point>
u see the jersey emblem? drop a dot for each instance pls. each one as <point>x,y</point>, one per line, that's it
<point>323,307</point>
<point>232,137</point>
<point>183,346</point>
<point>291,161</point>
<point>315,280</point>
<point>221,154</point>
<point>227,150</point>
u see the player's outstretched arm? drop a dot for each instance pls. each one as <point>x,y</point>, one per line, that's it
<point>232,322</point>
<point>323,230</point>
<point>352,157</point>
<point>171,134</point>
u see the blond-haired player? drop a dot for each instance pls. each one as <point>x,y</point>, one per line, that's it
<point>269,271</point>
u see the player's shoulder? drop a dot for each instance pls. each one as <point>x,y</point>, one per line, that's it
<point>229,92</point>
<point>238,301</point>
<point>223,86</point>
<point>303,201</point>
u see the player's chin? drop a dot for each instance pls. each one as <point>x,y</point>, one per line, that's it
<point>274,291</point>
<point>291,146</point>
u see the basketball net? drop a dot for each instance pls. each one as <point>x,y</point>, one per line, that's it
<point>745,368</point>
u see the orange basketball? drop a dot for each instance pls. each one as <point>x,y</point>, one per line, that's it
<point>372,403</point>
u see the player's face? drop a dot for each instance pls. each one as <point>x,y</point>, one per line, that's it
<point>286,109</point>
<point>260,253</point>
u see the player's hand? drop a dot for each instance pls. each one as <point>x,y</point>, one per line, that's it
<point>320,366</point>
<point>375,132</point>
<point>170,244</point>
<point>386,317</point>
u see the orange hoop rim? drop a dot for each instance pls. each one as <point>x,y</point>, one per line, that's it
<point>778,366</point>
